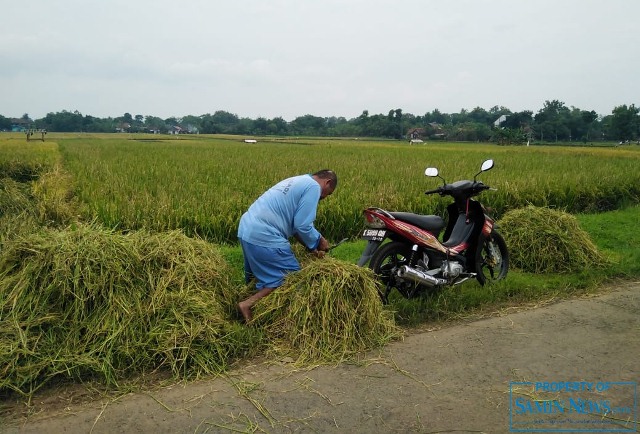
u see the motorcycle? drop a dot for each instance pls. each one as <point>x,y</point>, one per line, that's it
<point>415,261</point>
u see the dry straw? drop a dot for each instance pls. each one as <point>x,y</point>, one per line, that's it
<point>542,240</point>
<point>85,302</point>
<point>327,312</point>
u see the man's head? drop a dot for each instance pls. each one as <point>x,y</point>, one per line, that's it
<point>328,181</point>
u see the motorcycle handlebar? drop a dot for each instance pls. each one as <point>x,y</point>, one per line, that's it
<point>437,190</point>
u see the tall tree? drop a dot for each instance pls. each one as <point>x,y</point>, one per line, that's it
<point>589,119</point>
<point>518,120</point>
<point>552,121</point>
<point>278,126</point>
<point>625,123</point>
<point>5,123</point>
<point>436,116</point>
<point>481,116</point>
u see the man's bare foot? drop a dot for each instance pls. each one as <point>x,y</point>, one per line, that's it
<point>245,311</point>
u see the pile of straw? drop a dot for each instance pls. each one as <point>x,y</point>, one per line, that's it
<point>545,240</point>
<point>86,302</point>
<point>327,312</point>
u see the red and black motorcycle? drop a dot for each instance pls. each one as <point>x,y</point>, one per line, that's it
<point>414,260</point>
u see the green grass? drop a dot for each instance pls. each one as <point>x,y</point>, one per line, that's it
<point>617,234</point>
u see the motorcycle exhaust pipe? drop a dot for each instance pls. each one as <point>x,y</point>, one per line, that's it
<point>417,276</point>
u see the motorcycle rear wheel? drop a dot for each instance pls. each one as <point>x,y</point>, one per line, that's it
<point>384,263</point>
<point>492,259</point>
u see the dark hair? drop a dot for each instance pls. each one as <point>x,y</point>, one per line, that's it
<point>328,174</point>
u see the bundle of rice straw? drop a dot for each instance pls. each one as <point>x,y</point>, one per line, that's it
<point>542,240</point>
<point>327,312</point>
<point>86,302</point>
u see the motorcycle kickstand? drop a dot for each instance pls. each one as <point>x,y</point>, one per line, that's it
<point>385,296</point>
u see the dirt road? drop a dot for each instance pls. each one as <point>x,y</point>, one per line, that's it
<point>471,377</point>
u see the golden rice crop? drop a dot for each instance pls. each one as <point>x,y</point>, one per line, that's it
<point>88,302</point>
<point>47,199</point>
<point>201,184</point>
<point>17,212</point>
<point>542,240</point>
<point>15,197</point>
<point>326,312</point>
<point>54,197</point>
<point>25,162</point>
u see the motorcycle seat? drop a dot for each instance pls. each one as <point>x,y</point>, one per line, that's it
<point>431,223</point>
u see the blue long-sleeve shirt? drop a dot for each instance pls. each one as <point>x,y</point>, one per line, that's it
<point>287,208</point>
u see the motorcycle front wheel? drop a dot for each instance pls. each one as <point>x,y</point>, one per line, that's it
<point>384,264</point>
<point>492,259</point>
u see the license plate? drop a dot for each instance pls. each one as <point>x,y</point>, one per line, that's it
<point>374,234</point>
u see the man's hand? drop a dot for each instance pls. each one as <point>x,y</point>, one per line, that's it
<point>323,244</point>
<point>323,247</point>
<point>319,253</point>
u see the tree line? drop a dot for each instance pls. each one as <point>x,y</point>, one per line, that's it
<point>554,122</point>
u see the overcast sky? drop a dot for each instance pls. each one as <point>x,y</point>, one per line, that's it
<point>290,58</point>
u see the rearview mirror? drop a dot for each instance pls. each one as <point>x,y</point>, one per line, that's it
<point>431,171</point>
<point>488,164</point>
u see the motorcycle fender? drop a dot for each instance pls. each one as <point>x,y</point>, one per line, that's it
<point>368,252</point>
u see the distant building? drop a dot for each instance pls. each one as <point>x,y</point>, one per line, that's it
<point>179,129</point>
<point>123,127</point>
<point>416,134</point>
<point>500,120</point>
<point>431,131</point>
<point>20,125</point>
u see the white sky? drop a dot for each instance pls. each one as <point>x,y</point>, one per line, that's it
<point>290,58</point>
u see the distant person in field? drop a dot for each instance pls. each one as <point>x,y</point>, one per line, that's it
<point>288,209</point>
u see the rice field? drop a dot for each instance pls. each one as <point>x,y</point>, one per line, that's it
<point>203,184</point>
<point>112,247</point>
